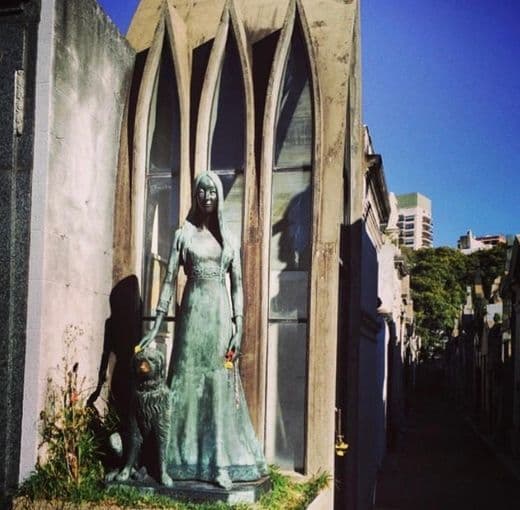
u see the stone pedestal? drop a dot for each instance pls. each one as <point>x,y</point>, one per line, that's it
<point>200,492</point>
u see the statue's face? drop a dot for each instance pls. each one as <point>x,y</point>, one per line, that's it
<point>206,194</point>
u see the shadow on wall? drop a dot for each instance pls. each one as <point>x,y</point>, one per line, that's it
<point>288,310</point>
<point>294,247</point>
<point>122,333</point>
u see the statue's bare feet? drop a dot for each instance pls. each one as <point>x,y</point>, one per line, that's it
<point>123,475</point>
<point>223,480</point>
<point>166,480</point>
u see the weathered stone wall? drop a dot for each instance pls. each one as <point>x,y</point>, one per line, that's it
<point>18,32</point>
<point>84,71</point>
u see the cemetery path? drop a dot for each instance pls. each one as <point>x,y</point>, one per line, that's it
<point>441,464</point>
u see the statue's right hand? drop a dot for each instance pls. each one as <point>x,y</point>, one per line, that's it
<point>151,334</point>
<point>143,344</point>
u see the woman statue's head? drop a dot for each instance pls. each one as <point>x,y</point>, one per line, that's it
<point>206,195</point>
<point>208,199</point>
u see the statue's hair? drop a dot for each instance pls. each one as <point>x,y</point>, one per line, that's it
<point>223,235</point>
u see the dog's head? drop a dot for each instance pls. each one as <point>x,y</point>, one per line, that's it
<point>148,367</point>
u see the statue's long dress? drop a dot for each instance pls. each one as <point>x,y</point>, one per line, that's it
<point>211,436</point>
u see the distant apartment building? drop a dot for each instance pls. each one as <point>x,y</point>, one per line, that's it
<point>415,221</point>
<point>469,243</point>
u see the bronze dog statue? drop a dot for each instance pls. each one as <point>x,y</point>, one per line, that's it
<point>149,416</point>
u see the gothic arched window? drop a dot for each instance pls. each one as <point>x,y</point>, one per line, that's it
<point>227,134</point>
<point>162,179</point>
<point>289,260</point>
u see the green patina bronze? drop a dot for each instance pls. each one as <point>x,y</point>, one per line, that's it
<point>211,435</point>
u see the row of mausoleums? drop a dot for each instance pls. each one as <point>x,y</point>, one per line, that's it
<point>484,356</point>
<point>267,95</point>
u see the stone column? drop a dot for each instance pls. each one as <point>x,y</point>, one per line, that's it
<point>18,31</point>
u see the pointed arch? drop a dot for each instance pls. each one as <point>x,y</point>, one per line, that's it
<point>288,164</point>
<point>178,39</point>
<point>161,151</point>
<point>141,136</point>
<point>225,128</point>
<point>209,88</point>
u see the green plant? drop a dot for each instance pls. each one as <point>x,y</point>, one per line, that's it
<point>69,465</point>
<point>130,497</point>
<point>290,495</point>
<point>286,494</point>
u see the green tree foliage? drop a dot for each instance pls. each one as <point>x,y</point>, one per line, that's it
<point>439,277</point>
<point>490,264</point>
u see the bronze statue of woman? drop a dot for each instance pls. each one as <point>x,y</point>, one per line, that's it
<point>211,435</point>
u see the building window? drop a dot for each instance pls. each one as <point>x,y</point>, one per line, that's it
<point>162,180</point>
<point>290,257</point>
<point>222,140</point>
<point>227,134</point>
<point>409,226</point>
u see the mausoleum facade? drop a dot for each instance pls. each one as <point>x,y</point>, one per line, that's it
<point>266,94</point>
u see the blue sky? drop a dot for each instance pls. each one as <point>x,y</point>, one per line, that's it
<point>442,100</point>
<point>441,96</point>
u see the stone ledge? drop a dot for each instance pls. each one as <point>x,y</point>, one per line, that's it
<point>203,492</point>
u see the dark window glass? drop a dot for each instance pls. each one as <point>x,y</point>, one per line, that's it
<point>162,180</point>
<point>290,254</point>
<point>294,127</point>
<point>164,126</point>
<point>227,137</point>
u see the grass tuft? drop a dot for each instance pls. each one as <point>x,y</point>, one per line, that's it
<point>286,494</point>
<point>290,495</point>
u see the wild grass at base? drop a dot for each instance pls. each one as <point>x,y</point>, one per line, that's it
<point>286,494</point>
<point>290,495</point>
